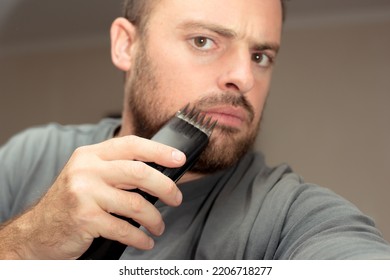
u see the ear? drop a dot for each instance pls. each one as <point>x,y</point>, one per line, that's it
<point>123,36</point>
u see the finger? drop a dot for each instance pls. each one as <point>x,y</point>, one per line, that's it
<point>135,174</point>
<point>132,205</point>
<point>117,229</point>
<point>136,148</point>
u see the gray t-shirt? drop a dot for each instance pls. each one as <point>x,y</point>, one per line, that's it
<point>249,211</point>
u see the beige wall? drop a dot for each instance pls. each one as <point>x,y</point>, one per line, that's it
<point>327,114</point>
<point>66,86</point>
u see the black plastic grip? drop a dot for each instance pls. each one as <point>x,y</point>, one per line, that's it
<point>184,133</point>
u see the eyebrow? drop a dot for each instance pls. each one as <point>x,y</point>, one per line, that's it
<point>227,33</point>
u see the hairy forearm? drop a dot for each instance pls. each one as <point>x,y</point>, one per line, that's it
<point>39,233</point>
<point>14,239</point>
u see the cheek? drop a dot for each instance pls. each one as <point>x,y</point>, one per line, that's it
<point>177,60</point>
<point>182,80</point>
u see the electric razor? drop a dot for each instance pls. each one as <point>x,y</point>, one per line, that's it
<point>188,131</point>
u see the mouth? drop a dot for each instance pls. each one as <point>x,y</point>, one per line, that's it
<point>227,116</point>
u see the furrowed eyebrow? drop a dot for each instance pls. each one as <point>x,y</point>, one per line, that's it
<point>267,46</point>
<point>227,33</point>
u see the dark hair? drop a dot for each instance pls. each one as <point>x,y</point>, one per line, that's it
<point>138,11</point>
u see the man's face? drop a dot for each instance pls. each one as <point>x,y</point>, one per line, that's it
<point>216,55</point>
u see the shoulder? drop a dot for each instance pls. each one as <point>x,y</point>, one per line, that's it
<point>31,160</point>
<point>316,223</point>
<point>53,143</point>
<point>56,134</point>
<point>300,220</point>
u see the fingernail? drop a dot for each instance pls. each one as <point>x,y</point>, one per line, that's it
<point>162,229</point>
<point>177,155</point>
<point>151,243</point>
<point>179,197</point>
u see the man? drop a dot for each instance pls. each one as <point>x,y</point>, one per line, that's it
<point>59,185</point>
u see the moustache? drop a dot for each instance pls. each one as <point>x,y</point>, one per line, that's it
<point>226,98</point>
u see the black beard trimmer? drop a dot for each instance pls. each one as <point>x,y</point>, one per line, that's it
<point>188,131</point>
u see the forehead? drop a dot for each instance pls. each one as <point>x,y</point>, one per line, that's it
<point>260,19</point>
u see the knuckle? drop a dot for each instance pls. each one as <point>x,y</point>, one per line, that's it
<point>138,239</point>
<point>125,233</point>
<point>139,170</point>
<point>157,222</point>
<point>171,187</point>
<point>80,161</point>
<point>77,178</point>
<point>137,203</point>
<point>80,151</point>
<point>120,229</point>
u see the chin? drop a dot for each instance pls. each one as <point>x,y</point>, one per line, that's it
<point>224,150</point>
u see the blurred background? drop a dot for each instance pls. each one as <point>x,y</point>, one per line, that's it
<point>327,116</point>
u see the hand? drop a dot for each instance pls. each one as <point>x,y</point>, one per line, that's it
<point>93,184</point>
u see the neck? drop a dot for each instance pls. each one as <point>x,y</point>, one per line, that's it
<point>125,128</point>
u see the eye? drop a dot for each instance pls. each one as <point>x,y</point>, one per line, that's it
<point>262,59</point>
<point>202,43</point>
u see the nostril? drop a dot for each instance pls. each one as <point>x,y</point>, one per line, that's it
<point>232,86</point>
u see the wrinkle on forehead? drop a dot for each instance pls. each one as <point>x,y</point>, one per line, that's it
<point>253,19</point>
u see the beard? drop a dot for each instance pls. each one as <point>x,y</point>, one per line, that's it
<point>148,110</point>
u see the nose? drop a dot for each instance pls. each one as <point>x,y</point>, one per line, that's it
<point>236,72</point>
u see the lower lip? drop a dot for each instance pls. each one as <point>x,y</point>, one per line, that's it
<point>225,119</point>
